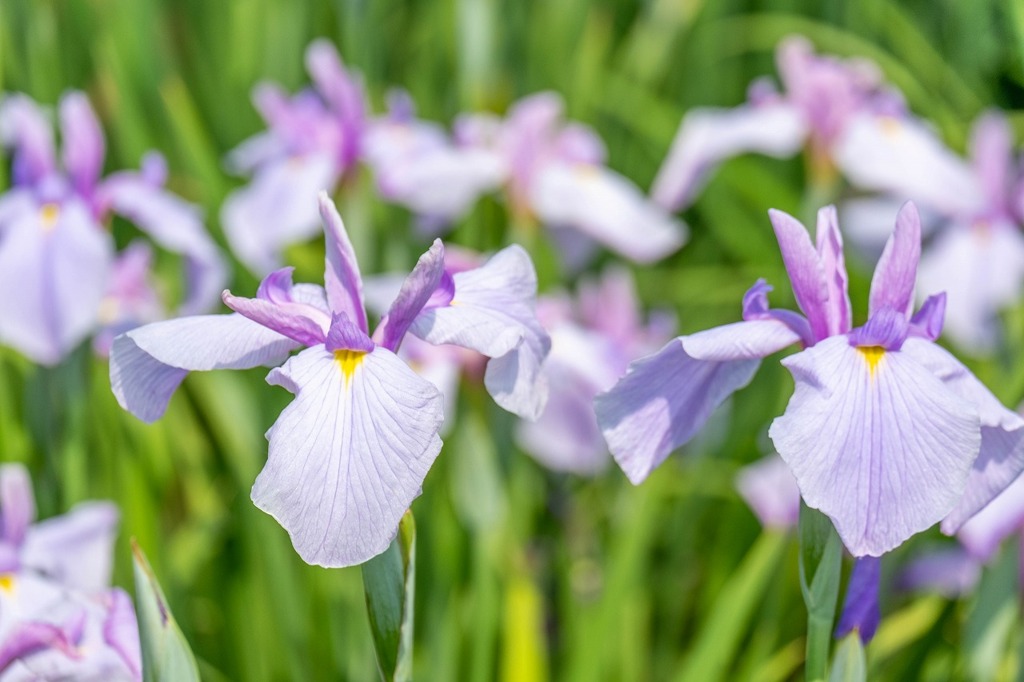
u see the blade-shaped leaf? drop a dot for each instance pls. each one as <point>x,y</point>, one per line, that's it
<point>821,556</point>
<point>166,655</point>
<point>389,581</point>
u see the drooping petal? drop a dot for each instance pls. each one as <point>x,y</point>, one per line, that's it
<point>707,137</point>
<point>349,454</point>
<point>416,290</point>
<point>607,207</point>
<point>77,548</point>
<point>980,266</point>
<point>808,277</point>
<point>985,531</point>
<point>278,208</point>
<point>860,606</point>
<point>1001,457</point>
<point>17,503</point>
<point>769,489</point>
<point>82,142</point>
<point>662,402</point>
<point>903,158</point>
<point>493,313</point>
<point>892,286</point>
<point>875,441</point>
<point>55,264</point>
<point>148,363</point>
<point>342,281</point>
<point>833,265</point>
<point>288,319</point>
<point>176,225</point>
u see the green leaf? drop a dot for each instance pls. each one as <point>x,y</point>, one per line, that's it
<point>849,664</point>
<point>821,557</point>
<point>165,653</point>
<point>389,581</point>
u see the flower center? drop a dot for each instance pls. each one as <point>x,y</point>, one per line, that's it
<point>7,582</point>
<point>348,360</point>
<point>872,354</point>
<point>48,216</point>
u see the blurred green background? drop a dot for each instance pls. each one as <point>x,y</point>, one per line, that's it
<point>522,574</point>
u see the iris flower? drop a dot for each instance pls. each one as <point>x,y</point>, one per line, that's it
<point>886,433</point>
<point>59,618</point>
<point>349,454</point>
<point>55,250</point>
<point>821,97</point>
<point>313,140</point>
<point>974,208</point>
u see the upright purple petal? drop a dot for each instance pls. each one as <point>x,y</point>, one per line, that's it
<point>706,137</point>
<point>992,156</point>
<point>608,208</point>
<point>808,277</point>
<point>416,290</point>
<point>875,441</point>
<point>342,280</point>
<point>148,363</point>
<point>24,128</point>
<point>493,313</point>
<point>82,142</point>
<point>299,322</point>
<point>860,606</point>
<point>343,92</point>
<point>892,286</point>
<point>833,265</point>
<point>17,504</point>
<point>349,454</point>
<point>77,548</point>
<point>666,398</point>
<point>57,259</point>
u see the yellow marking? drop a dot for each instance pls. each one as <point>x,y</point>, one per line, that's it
<point>7,582</point>
<point>891,126</point>
<point>348,360</point>
<point>48,216</point>
<point>873,354</point>
<point>109,310</point>
<point>586,171</point>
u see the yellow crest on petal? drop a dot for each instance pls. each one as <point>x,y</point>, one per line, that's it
<point>48,216</point>
<point>7,582</point>
<point>873,355</point>
<point>348,360</point>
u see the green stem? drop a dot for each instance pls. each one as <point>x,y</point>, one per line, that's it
<point>821,562</point>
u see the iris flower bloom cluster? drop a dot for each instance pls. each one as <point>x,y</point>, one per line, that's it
<point>59,617</point>
<point>55,250</point>
<point>823,99</point>
<point>349,454</point>
<point>886,433</point>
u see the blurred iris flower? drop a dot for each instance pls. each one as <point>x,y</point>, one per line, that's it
<point>55,250</point>
<point>554,172</point>
<point>349,454</point>
<point>771,492</point>
<point>313,140</point>
<point>886,433</point>
<point>593,339</point>
<point>823,96</point>
<point>59,618</point>
<point>974,209</point>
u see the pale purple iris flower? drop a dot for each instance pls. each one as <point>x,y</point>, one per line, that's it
<point>822,95</point>
<point>59,618</point>
<point>313,140</point>
<point>974,208</point>
<point>886,433</point>
<point>349,454</point>
<point>55,250</point>
<point>554,173</point>
<point>419,166</point>
<point>771,492</point>
<point>593,339</point>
